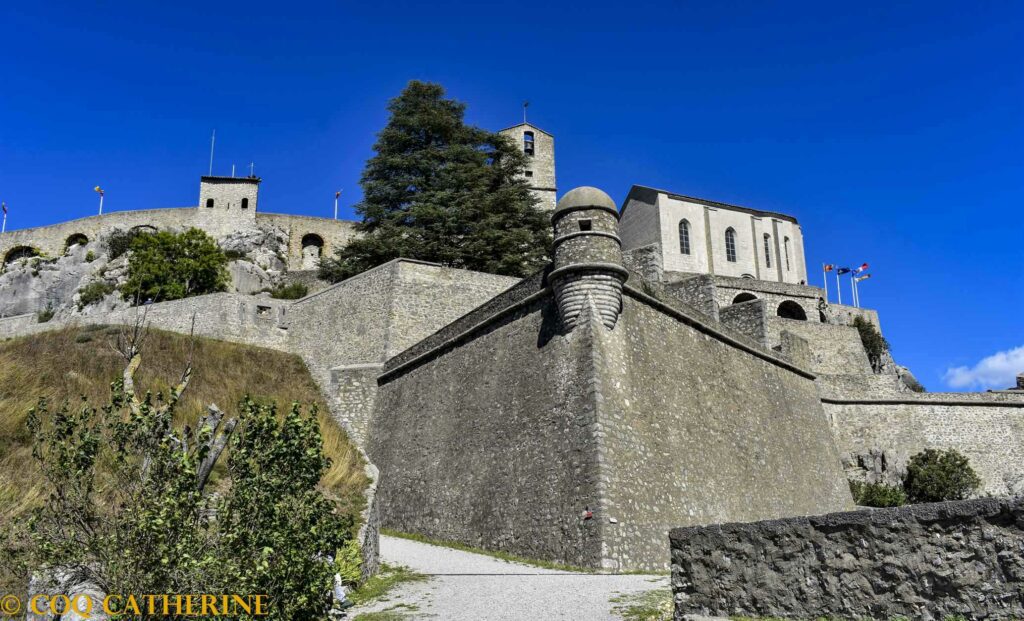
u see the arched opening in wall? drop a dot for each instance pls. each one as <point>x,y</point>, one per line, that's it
<point>312,251</point>
<point>78,239</point>
<point>822,317</point>
<point>143,228</point>
<point>528,143</point>
<point>730,245</point>
<point>18,253</point>
<point>684,237</point>
<point>791,310</point>
<point>744,297</point>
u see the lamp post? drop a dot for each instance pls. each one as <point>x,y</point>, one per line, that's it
<point>336,196</point>
<point>99,191</point>
<point>3,228</point>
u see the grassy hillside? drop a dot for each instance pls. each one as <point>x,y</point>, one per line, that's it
<point>76,362</point>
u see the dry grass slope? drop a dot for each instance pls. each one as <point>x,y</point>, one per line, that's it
<point>77,362</point>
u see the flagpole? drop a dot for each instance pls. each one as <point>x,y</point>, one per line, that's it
<point>101,203</point>
<point>853,289</point>
<point>336,195</point>
<point>3,229</point>
<point>824,276</point>
<point>839,288</point>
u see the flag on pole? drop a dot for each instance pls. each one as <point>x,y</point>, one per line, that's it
<point>4,206</point>
<point>829,267</point>
<point>337,194</point>
<point>842,270</point>
<point>864,277</point>
<point>861,268</point>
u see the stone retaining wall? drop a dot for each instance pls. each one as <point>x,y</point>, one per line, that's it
<point>921,561</point>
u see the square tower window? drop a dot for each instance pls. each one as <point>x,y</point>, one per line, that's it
<point>586,225</point>
<point>245,203</point>
<point>209,202</point>
<point>529,173</point>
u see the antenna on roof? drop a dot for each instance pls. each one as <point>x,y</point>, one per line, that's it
<point>232,170</point>
<point>213,139</point>
<point>252,169</point>
<point>526,105</point>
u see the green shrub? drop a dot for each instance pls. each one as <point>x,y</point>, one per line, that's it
<point>349,562</point>
<point>44,316</point>
<point>874,343</point>
<point>934,476</point>
<point>234,255</point>
<point>83,338</point>
<point>170,266</point>
<point>877,494</point>
<point>94,292</point>
<point>120,242</point>
<point>294,291</point>
<point>90,256</point>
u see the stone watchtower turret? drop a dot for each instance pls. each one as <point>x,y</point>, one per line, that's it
<point>539,147</point>
<point>587,256</point>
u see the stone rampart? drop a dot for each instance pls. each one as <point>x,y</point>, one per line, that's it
<point>592,429</point>
<point>51,240</point>
<point>749,318</point>
<point>251,320</point>
<point>835,349</point>
<point>927,562</point>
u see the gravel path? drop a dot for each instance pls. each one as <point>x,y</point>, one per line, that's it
<point>475,587</point>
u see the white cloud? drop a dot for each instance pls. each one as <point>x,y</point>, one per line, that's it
<point>996,371</point>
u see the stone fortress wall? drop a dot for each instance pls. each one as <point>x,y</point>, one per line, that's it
<point>543,424</point>
<point>309,238</point>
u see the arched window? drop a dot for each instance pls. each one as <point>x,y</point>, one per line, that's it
<point>791,310</point>
<point>20,252</point>
<point>785,243</point>
<point>744,297</point>
<point>767,250</point>
<point>684,237</point>
<point>312,251</point>
<point>209,202</point>
<point>528,143</point>
<point>730,245</point>
<point>245,203</point>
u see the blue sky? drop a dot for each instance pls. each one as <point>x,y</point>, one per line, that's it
<point>893,131</point>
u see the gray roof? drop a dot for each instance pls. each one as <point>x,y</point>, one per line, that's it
<point>530,125</point>
<point>649,196</point>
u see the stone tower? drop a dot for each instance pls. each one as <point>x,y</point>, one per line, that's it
<point>229,197</point>
<point>539,147</point>
<point>587,256</point>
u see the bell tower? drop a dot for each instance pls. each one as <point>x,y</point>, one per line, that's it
<point>539,147</point>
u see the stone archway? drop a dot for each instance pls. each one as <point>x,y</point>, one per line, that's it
<point>744,297</point>
<point>20,252</point>
<point>791,310</point>
<point>312,251</point>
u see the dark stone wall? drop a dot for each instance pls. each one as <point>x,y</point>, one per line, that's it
<point>921,561</point>
<point>491,441</point>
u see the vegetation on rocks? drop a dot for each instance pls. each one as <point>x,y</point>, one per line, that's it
<point>877,494</point>
<point>935,476</point>
<point>443,191</point>
<point>874,343</point>
<point>165,266</point>
<point>94,292</point>
<point>294,291</point>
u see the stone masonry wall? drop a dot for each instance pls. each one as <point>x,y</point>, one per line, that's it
<point>252,320</point>
<point>749,318</point>
<point>51,240</point>
<point>695,430</point>
<point>835,349</point>
<point>921,561</point>
<point>491,442</point>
